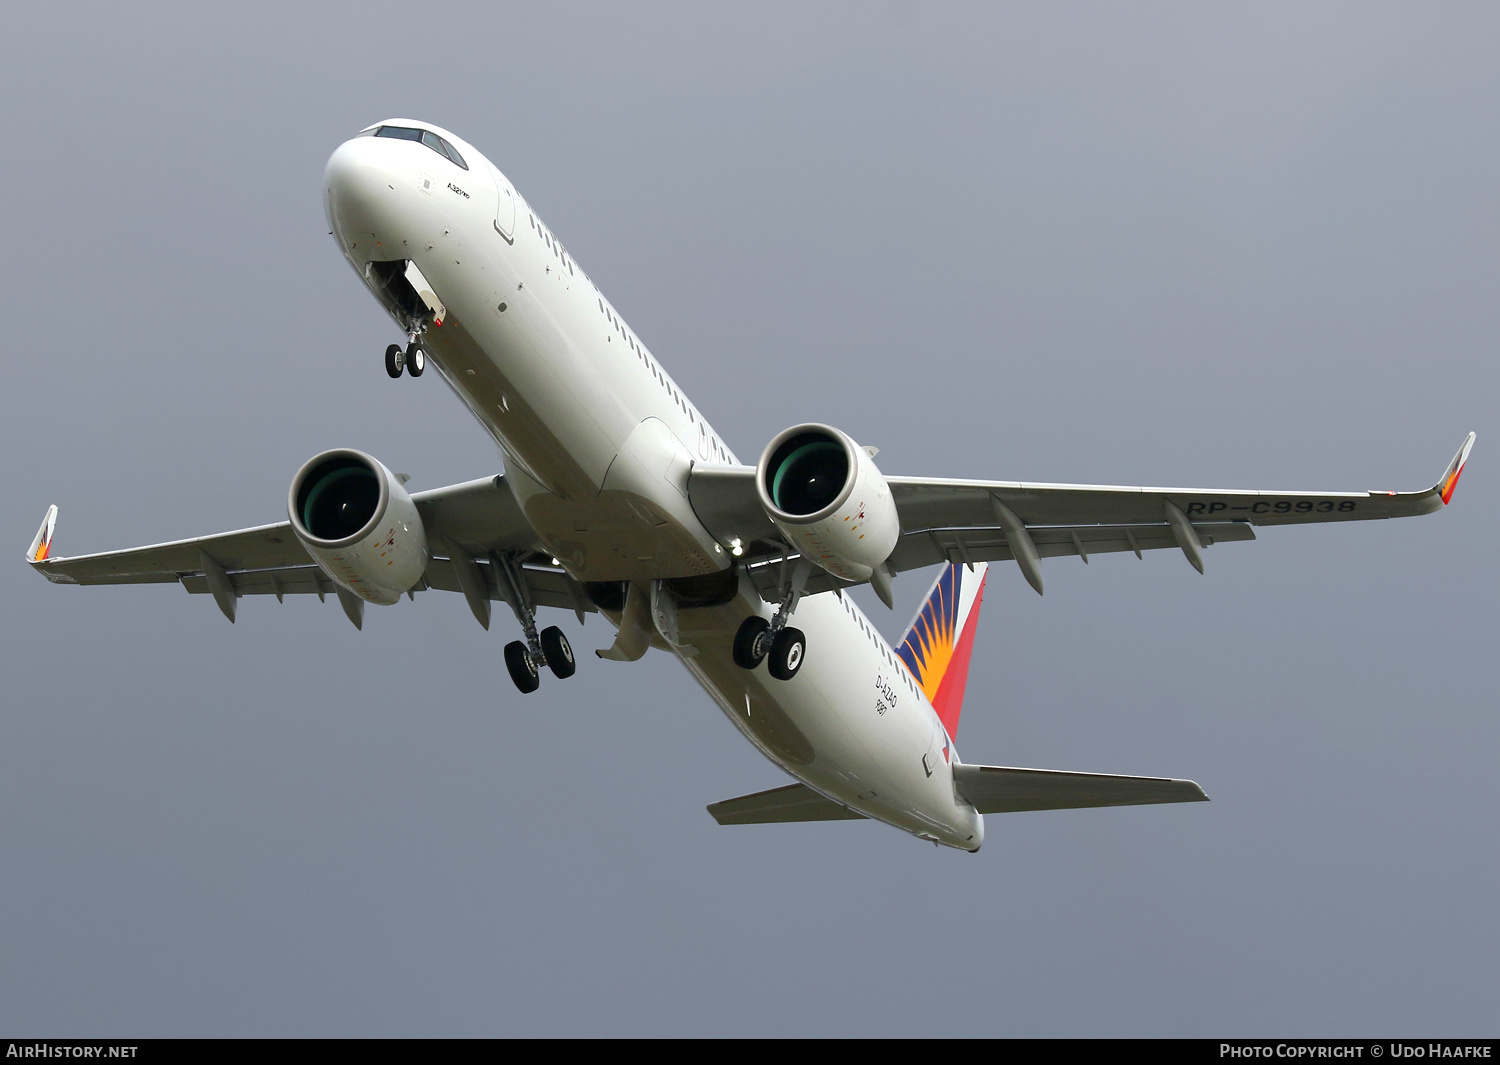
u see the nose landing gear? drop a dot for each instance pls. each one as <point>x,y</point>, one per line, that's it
<point>412,359</point>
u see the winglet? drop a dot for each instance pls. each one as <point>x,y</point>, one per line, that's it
<point>1455,468</point>
<point>41,547</point>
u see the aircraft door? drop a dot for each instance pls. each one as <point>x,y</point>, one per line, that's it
<point>505,206</point>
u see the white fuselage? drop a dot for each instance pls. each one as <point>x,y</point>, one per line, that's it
<point>598,442</point>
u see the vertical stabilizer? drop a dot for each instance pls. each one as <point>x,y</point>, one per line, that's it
<point>937,646</point>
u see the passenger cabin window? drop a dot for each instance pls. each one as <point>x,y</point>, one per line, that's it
<point>423,136</point>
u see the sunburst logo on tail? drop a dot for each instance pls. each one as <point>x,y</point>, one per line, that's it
<point>940,641</point>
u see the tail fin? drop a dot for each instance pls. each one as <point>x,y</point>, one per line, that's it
<point>938,644</point>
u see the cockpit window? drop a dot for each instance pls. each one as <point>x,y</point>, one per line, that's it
<point>448,150</point>
<point>400,133</point>
<point>437,144</point>
<point>425,136</point>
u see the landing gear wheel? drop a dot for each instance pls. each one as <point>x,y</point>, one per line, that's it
<point>788,651</point>
<point>416,359</point>
<point>522,668</point>
<point>394,360</point>
<point>559,652</point>
<point>749,642</point>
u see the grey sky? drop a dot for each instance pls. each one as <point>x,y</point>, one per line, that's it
<point>1143,244</point>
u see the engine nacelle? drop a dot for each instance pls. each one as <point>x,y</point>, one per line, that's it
<point>823,492</point>
<point>359,524</point>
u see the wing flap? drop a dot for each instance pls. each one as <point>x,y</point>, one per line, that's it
<point>932,502</point>
<point>994,789</point>
<point>977,543</point>
<point>547,585</point>
<point>926,547</point>
<point>794,802</point>
<point>287,580</point>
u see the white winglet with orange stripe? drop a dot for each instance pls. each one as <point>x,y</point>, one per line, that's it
<point>41,547</point>
<point>1455,468</point>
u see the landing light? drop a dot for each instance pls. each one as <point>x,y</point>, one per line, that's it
<point>736,548</point>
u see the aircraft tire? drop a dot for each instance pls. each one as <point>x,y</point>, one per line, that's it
<point>394,360</point>
<point>745,641</point>
<point>522,669</point>
<point>788,652</point>
<point>416,360</point>
<point>559,652</point>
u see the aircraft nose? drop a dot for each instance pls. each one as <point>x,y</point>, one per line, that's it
<point>363,185</point>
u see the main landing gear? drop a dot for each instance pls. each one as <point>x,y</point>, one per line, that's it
<point>552,649</point>
<point>412,358</point>
<point>524,658</point>
<point>784,647</point>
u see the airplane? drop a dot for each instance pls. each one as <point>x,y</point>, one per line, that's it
<point>618,498</point>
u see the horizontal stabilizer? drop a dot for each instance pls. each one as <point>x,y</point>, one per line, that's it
<point>992,789</point>
<point>795,802</point>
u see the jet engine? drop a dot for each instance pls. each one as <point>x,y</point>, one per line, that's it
<point>823,492</point>
<point>359,524</point>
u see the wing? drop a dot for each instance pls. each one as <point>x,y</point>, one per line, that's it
<point>987,521</point>
<point>475,522</point>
